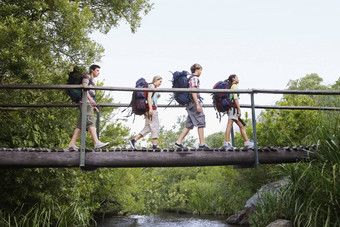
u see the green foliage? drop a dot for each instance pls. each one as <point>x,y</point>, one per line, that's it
<point>39,40</point>
<point>201,190</point>
<point>215,140</point>
<point>295,127</point>
<point>313,193</point>
<point>167,138</point>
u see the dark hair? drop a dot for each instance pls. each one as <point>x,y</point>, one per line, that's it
<point>93,67</point>
<point>194,67</point>
<point>230,78</point>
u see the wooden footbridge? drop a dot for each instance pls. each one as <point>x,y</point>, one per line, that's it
<point>126,157</point>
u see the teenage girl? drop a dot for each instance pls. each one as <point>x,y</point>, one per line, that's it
<point>234,115</point>
<point>151,116</point>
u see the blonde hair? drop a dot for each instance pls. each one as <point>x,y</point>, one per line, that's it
<point>155,78</point>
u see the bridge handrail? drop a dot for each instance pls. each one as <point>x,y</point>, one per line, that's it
<point>251,92</point>
<point>56,105</point>
<point>171,90</point>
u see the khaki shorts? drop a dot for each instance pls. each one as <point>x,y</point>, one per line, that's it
<point>151,125</point>
<point>89,118</point>
<point>194,118</point>
<point>232,114</point>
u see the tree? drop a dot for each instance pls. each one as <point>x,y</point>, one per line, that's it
<point>39,41</point>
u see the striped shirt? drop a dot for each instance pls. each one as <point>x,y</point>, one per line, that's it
<point>194,82</point>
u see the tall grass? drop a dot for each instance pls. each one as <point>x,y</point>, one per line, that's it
<point>56,215</point>
<point>312,196</point>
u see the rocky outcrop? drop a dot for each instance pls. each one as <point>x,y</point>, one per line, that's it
<point>281,223</point>
<point>242,217</point>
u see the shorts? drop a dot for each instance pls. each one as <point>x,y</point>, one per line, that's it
<point>89,118</point>
<point>151,125</point>
<point>194,118</point>
<point>232,114</point>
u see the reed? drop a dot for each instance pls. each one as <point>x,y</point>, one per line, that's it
<point>312,196</point>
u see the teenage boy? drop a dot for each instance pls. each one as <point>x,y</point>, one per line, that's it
<point>194,109</point>
<point>91,107</point>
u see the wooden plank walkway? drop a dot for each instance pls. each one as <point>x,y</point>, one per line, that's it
<point>126,157</point>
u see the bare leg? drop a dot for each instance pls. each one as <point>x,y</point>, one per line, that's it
<point>201,135</point>
<point>154,141</point>
<point>228,130</point>
<point>75,136</point>
<point>138,137</point>
<point>243,131</point>
<point>93,134</point>
<point>183,134</point>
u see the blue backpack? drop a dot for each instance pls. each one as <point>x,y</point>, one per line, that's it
<point>139,98</point>
<point>221,101</point>
<point>180,80</point>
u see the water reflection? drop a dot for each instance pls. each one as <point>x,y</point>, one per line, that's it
<point>164,220</point>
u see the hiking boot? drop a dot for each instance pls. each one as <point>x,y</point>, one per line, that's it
<point>100,145</point>
<point>74,147</point>
<point>249,144</point>
<point>204,147</point>
<point>179,145</point>
<point>132,143</point>
<point>228,146</point>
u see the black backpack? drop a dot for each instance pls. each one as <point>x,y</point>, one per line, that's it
<point>76,77</point>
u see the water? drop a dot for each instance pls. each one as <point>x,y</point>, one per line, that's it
<point>164,220</point>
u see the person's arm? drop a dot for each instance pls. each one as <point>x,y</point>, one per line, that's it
<point>150,101</point>
<point>194,84</point>
<point>238,108</point>
<point>89,97</point>
<point>85,82</point>
<point>237,103</point>
<point>194,97</point>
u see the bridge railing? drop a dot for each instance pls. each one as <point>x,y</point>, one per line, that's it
<point>251,92</point>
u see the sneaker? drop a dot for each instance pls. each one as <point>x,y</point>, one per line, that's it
<point>74,147</point>
<point>179,145</point>
<point>100,144</point>
<point>204,147</point>
<point>155,147</point>
<point>249,144</point>
<point>132,143</point>
<point>228,146</point>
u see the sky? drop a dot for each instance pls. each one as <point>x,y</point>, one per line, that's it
<point>265,42</point>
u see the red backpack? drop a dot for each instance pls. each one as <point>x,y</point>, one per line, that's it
<point>221,101</point>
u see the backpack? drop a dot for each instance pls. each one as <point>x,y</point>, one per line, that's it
<point>76,77</point>
<point>139,98</point>
<point>221,101</point>
<point>180,80</point>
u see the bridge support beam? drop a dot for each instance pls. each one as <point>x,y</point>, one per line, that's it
<point>14,158</point>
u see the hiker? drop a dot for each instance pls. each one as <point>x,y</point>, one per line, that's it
<point>195,112</point>
<point>234,115</point>
<point>151,116</point>
<point>87,80</point>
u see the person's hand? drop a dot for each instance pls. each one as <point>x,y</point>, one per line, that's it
<point>95,109</point>
<point>150,114</point>
<point>239,113</point>
<point>198,108</point>
<point>93,103</point>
